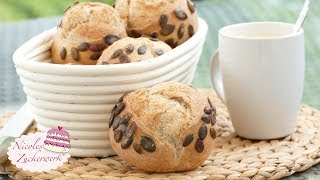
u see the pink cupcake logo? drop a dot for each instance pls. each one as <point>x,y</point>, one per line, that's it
<point>57,140</point>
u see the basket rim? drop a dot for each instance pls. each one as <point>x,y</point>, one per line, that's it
<point>142,66</point>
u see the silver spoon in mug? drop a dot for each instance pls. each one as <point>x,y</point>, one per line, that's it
<point>302,16</point>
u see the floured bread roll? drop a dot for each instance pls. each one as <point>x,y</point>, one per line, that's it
<point>172,21</point>
<point>129,50</point>
<point>85,31</point>
<point>166,128</point>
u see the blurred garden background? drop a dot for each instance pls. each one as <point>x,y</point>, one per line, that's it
<point>13,10</point>
<point>22,19</point>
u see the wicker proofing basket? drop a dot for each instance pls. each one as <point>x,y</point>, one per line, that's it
<point>80,98</point>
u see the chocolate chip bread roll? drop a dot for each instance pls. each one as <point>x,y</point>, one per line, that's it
<point>166,128</point>
<point>128,50</point>
<point>172,21</point>
<point>85,31</point>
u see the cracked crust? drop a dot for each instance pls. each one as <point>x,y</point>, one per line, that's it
<point>134,56</point>
<point>86,22</point>
<point>142,17</point>
<point>167,113</point>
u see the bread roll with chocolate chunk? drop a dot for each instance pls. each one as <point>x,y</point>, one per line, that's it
<point>166,128</point>
<point>172,21</point>
<point>85,31</point>
<point>128,50</point>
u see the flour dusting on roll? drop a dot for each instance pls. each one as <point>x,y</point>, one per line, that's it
<point>166,128</point>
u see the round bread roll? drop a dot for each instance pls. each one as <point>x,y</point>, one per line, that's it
<point>85,31</point>
<point>129,50</point>
<point>172,21</point>
<point>166,128</point>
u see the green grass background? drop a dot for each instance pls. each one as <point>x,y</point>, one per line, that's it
<point>13,10</point>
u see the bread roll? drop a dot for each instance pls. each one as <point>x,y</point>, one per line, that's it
<point>166,128</point>
<point>129,50</point>
<point>85,31</point>
<point>172,21</point>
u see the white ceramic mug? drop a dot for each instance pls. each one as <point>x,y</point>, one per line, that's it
<point>258,72</point>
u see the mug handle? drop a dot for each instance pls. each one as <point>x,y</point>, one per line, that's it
<point>216,77</point>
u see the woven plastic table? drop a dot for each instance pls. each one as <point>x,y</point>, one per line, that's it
<point>232,157</point>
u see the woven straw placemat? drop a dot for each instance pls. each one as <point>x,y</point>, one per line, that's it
<point>232,158</point>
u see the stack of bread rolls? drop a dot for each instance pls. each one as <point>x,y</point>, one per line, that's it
<point>88,31</point>
<point>166,128</point>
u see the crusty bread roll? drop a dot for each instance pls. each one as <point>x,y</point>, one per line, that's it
<point>166,128</point>
<point>129,50</point>
<point>172,21</point>
<point>85,31</point>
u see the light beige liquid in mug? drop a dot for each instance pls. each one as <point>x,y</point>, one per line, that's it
<point>261,35</point>
<point>258,31</point>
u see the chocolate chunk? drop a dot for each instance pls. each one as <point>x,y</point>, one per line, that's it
<point>206,118</point>
<point>116,123</point>
<point>118,110</point>
<point>123,58</point>
<point>142,49</point>
<point>97,47</point>
<point>111,119</point>
<point>126,142</point>
<point>203,131</point>
<point>180,14</point>
<point>130,49</point>
<point>116,54</point>
<point>83,46</point>
<point>213,133</point>
<point>163,20</point>
<point>159,52</point>
<point>181,31</point>
<point>123,96</point>
<point>199,146</point>
<point>131,129</point>
<point>191,6</point>
<point>208,110</point>
<point>137,148</point>
<point>187,140</point>
<point>213,119</point>
<point>170,42</point>
<point>63,53</point>
<point>75,54</point>
<point>95,55</point>
<point>147,144</point>
<point>117,135</point>
<point>154,34</point>
<point>111,38</point>
<point>167,29</point>
<point>190,30</point>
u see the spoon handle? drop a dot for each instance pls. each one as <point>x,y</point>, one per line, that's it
<point>302,16</point>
